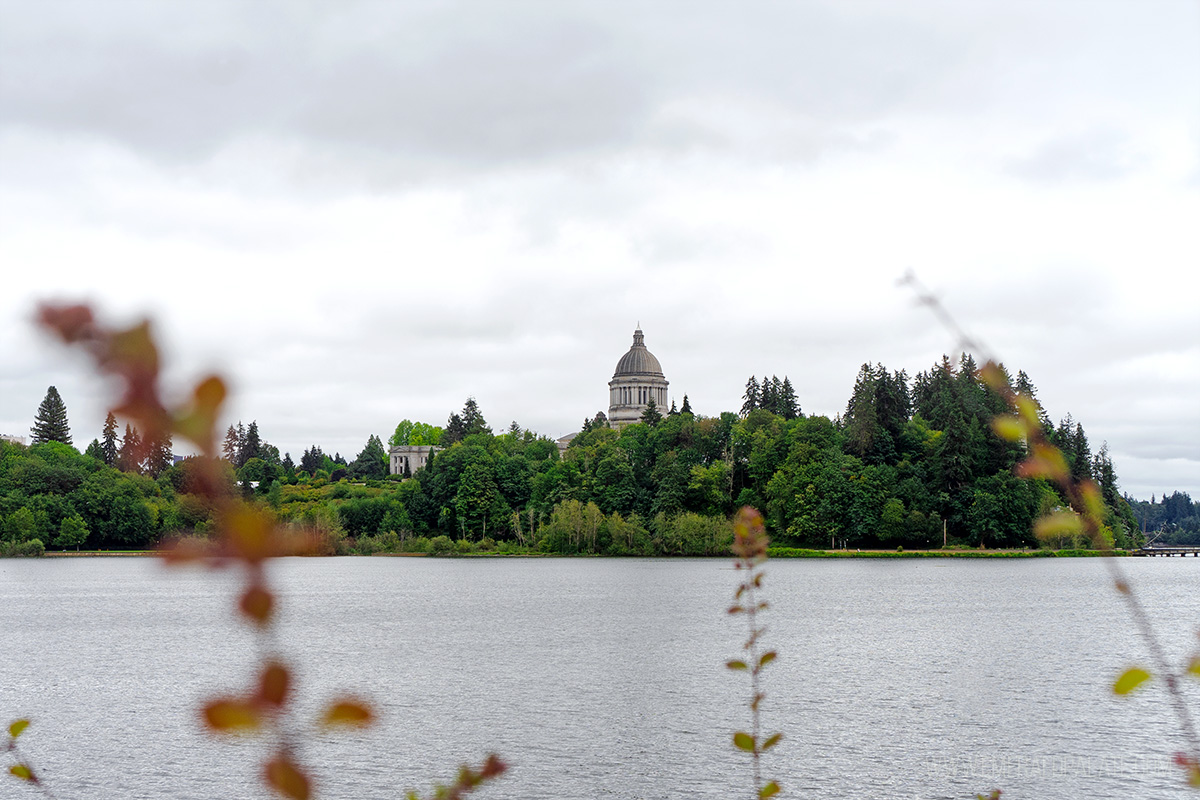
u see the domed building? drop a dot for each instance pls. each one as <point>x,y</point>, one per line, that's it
<point>637,378</point>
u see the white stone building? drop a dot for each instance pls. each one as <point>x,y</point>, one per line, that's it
<point>637,378</point>
<point>406,459</point>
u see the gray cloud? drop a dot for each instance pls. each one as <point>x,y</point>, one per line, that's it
<point>1097,155</point>
<point>466,84</point>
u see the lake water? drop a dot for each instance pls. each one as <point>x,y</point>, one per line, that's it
<point>603,678</point>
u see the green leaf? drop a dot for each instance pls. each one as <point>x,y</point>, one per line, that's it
<point>15,729</point>
<point>21,771</point>
<point>735,664</point>
<point>766,658</point>
<point>771,741</point>
<point>1194,666</point>
<point>743,741</point>
<point>1130,679</point>
<point>770,790</point>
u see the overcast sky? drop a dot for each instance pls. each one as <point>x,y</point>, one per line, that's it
<point>366,211</point>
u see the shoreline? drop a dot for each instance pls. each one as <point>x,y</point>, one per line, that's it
<point>773,553</point>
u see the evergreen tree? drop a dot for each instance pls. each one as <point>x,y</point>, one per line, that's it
<point>473,421</point>
<point>229,448</point>
<point>108,448</point>
<point>159,454</point>
<point>50,424</point>
<point>1025,387</point>
<point>95,450</point>
<point>752,396</point>
<point>789,407</point>
<point>252,445</point>
<point>687,406</point>
<point>129,457</point>
<point>768,394</point>
<point>240,451</point>
<point>651,415</point>
<point>456,429</point>
<point>1106,476</point>
<point>674,412</point>
<point>371,463</point>
<point>312,460</point>
<point>1080,455</point>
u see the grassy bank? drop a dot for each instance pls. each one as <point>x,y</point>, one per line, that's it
<point>797,552</point>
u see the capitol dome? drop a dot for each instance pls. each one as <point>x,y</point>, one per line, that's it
<point>637,379</point>
<point>639,360</point>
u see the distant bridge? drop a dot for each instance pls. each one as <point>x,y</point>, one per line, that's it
<point>1169,550</point>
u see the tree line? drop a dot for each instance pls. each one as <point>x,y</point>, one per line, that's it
<point>911,462</point>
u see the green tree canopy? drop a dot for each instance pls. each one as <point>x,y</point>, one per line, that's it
<point>372,462</point>
<point>72,532</point>
<point>416,434</point>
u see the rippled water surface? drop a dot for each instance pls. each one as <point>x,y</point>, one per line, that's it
<point>599,678</point>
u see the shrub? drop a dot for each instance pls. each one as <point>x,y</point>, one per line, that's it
<point>31,549</point>
<point>441,546</point>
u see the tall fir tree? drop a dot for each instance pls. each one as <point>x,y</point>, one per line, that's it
<point>752,396</point>
<point>50,424</point>
<point>241,445</point>
<point>130,456</point>
<point>312,460</point>
<point>253,444</point>
<point>455,430</point>
<point>687,406</point>
<point>651,415</point>
<point>108,447</point>
<point>472,417</point>
<point>229,448</point>
<point>789,407</point>
<point>159,455</point>
<point>767,393</point>
<point>372,462</point>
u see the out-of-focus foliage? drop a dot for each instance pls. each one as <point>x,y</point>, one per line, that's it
<point>750,545</point>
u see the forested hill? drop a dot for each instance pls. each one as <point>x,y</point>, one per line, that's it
<point>904,458</point>
<point>1175,519</point>
<point>910,460</point>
